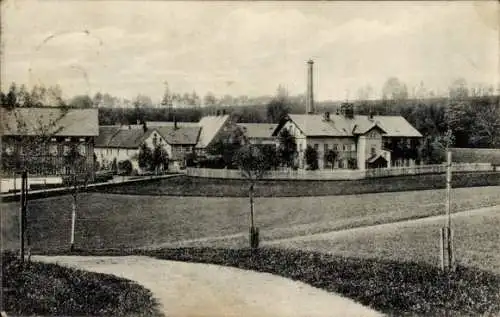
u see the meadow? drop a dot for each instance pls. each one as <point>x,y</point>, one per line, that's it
<point>355,245</point>
<point>140,221</point>
<point>211,187</point>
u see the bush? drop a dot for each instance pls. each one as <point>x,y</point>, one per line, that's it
<point>33,288</point>
<point>125,167</point>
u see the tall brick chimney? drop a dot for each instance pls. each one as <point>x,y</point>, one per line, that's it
<point>310,93</point>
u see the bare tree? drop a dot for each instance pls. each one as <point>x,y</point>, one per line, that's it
<point>253,166</point>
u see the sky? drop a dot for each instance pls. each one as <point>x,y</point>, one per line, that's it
<point>127,48</point>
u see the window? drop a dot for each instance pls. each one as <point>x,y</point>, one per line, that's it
<point>325,148</point>
<point>353,147</point>
<point>53,149</point>
<point>346,147</point>
<point>336,147</point>
<point>82,149</point>
<point>65,149</point>
<point>316,146</point>
<point>300,147</point>
<point>9,149</point>
<point>373,150</point>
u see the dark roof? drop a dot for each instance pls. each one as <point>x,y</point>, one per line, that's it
<point>70,122</point>
<point>129,139</point>
<point>106,133</point>
<point>258,130</point>
<point>375,157</point>
<point>340,126</point>
<point>181,135</point>
<point>121,137</point>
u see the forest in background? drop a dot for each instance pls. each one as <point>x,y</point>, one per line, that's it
<point>467,118</point>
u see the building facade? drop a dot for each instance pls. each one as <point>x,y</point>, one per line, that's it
<point>356,141</point>
<point>40,140</point>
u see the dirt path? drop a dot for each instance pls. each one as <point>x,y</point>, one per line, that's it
<point>195,290</point>
<point>385,226</point>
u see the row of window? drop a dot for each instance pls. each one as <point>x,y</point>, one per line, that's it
<point>53,149</point>
<point>336,147</point>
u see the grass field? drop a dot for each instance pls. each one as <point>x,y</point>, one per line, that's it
<point>127,221</point>
<point>194,186</point>
<point>476,240</point>
<point>39,289</point>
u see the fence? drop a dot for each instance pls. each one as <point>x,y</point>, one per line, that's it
<point>343,174</point>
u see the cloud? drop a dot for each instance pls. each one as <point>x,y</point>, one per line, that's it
<point>133,48</point>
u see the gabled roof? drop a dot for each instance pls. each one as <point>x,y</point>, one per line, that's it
<point>181,135</point>
<point>258,130</point>
<point>340,126</point>
<point>375,157</point>
<point>70,122</point>
<point>129,139</point>
<point>106,133</point>
<point>171,124</point>
<point>210,126</point>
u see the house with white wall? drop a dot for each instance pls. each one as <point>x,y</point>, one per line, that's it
<point>358,141</point>
<point>121,143</point>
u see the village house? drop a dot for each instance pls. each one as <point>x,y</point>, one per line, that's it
<point>121,143</point>
<point>259,133</point>
<point>358,141</point>
<point>208,131</point>
<point>39,140</point>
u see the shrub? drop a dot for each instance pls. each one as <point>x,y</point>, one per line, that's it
<point>33,288</point>
<point>125,167</point>
<point>311,157</point>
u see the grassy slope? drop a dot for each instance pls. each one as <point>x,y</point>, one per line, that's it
<point>192,186</point>
<point>113,221</point>
<point>476,241</point>
<point>48,289</point>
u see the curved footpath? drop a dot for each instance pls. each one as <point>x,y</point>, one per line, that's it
<point>195,290</point>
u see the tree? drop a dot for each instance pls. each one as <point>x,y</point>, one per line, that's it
<point>209,99</point>
<point>365,92</point>
<point>125,167</point>
<point>331,156</point>
<point>97,101</point>
<point>228,145</point>
<point>394,89</point>
<point>287,148</point>
<point>311,156</point>
<point>253,165</point>
<point>485,125</point>
<point>78,179</point>
<point>166,100</point>
<point>277,108</point>
<point>159,158</point>
<point>145,157</point>
<point>458,89</point>
<point>81,101</point>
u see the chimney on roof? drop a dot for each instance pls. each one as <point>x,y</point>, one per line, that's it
<point>223,112</point>
<point>217,113</point>
<point>370,117</point>
<point>144,126</point>
<point>310,93</point>
<point>175,123</point>
<point>347,110</point>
